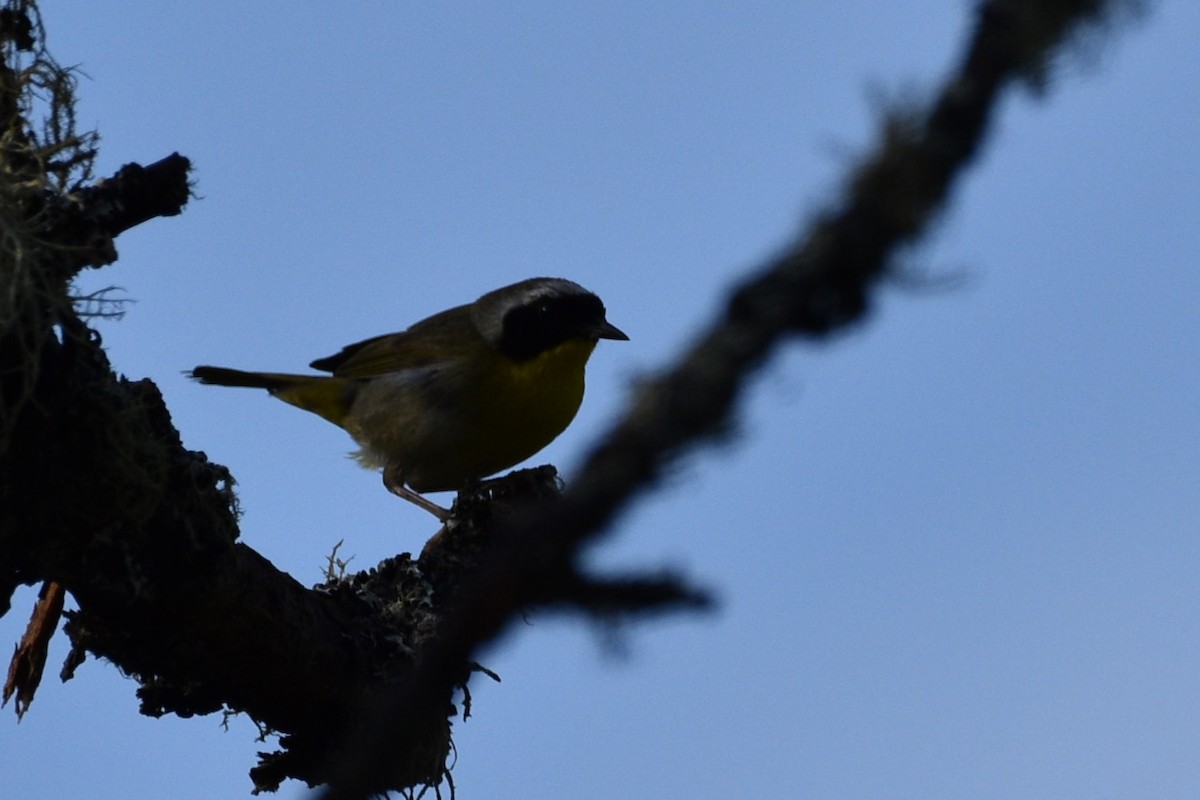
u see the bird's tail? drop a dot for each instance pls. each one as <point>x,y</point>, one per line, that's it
<point>323,395</point>
<point>223,376</point>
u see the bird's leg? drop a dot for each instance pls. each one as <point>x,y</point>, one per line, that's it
<point>394,482</point>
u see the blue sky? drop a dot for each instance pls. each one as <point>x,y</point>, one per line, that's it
<point>955,548</point>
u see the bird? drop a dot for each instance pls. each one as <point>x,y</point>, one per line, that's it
<point>458,396</point>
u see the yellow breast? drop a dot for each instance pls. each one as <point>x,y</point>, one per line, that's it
<point>447,425</point>
<point>526,405</point>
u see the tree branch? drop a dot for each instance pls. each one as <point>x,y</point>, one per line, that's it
<point>818,286</point>
<point>98,494</point>
<point>87,220</point>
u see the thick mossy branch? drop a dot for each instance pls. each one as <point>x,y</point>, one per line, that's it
<point>142,532</point>
<point>100,496</point>
<point>358,676</point>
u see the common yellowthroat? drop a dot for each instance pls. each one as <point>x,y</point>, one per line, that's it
<point>458,396</point>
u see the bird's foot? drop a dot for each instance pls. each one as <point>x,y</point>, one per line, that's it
<point>395,484</point>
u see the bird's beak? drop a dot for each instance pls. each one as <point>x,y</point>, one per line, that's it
<point>606,330</point>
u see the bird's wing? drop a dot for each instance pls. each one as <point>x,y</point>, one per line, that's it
<point>434,340</point>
